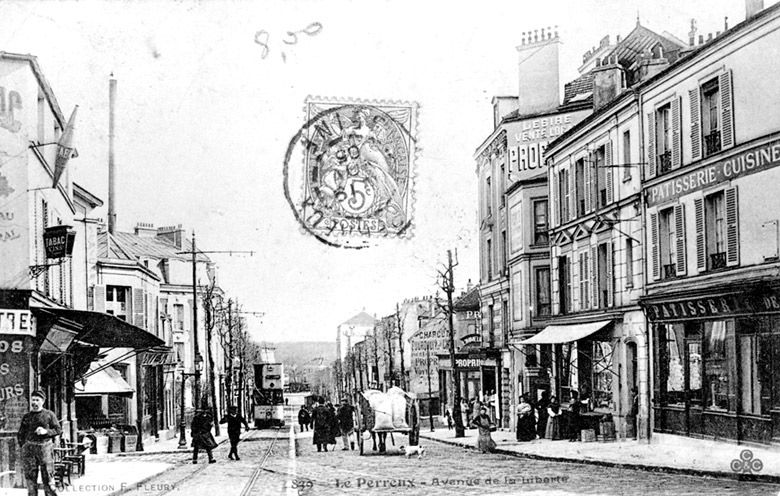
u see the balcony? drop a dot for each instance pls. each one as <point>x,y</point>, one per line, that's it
<point>664,162</point>
<point>670,271</point>
<point>712,143</point>
<point>717,260</point>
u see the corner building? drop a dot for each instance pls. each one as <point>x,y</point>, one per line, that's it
<point>712,147</point>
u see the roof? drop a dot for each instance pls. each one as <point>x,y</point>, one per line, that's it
<point>42,82</point>
<point>154,247</point>
<point>88,197</point>
<point>573,91</point>
<point>109,248</point>
<point>360,320</point>
<point>469,301</point>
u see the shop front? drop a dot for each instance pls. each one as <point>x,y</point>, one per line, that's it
<point>477,371</point>
<point>717,362</point>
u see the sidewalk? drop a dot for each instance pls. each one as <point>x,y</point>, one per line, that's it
<point>112,474</point>
<point>665,453</point>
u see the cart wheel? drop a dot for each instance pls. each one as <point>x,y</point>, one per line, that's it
<point>359,432</point>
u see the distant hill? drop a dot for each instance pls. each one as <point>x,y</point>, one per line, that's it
<point>304,353</point>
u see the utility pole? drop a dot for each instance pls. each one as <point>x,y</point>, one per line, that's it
<point>448,285</point>
<point>229,377</point>
<point>376,357</point>
<point>400,327</point>
<point>389,339</point>
<point>428,365</point>
<point>198,357</point>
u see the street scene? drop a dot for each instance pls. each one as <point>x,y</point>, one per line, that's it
<point>287,247</point>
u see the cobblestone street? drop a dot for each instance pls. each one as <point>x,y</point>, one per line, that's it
<point>267,468</point>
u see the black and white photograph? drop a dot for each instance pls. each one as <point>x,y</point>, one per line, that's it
<point>387,247</point>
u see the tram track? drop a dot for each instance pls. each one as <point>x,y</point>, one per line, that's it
<point>247,489</point>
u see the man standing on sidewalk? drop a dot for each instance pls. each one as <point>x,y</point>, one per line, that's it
<point>39,426</point>
<point>346,423</point>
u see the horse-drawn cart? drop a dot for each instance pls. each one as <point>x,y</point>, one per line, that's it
<point>382,413</point>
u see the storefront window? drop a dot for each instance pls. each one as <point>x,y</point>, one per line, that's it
<point>568,368</point>
<point>716,370</point>
<point>602,375</point>
<point>694,371</point>
<point>757,349</point>
<point>675,378</point>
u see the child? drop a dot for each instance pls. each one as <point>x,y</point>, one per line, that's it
<point>449,419</point>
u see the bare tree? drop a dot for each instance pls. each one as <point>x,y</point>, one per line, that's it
<point>400,329</point>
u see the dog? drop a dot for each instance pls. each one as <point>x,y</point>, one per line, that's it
<point>412,450</point>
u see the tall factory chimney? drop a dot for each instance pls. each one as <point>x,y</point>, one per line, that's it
<point>111,166</point>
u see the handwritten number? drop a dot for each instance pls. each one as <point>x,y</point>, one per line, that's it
<point>313,29</point>
<point>294,37</point>
<point>261,38</point>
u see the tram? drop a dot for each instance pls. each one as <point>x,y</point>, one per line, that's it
<point>268,396</point>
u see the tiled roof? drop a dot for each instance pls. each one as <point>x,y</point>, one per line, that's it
<point>153,247</point>
<point>578,87</point>
<point>469,301</point>
<point>108,248</point>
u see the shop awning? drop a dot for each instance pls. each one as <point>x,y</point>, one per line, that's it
<point>105,381</point>
<point>557,334</point>
<point>101,329</point>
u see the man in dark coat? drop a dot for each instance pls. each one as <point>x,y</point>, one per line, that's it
<point>38,427</point>
<point>346,423</point>
<point>322,421</point>
<point>541,407</point>
<point>201,435</point>
<point>304,418</point>
<point>234,421</point>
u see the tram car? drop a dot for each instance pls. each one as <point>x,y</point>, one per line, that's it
<point>268,396</point>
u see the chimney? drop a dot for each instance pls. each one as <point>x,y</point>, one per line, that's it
<point>608,82</point>
<point>145,230</point>
<point>692,33</point>
<point>538,71</point>
<point>503,106</point>
<point>172,234</point>
<point>753,7</point>
<point>111,166</point>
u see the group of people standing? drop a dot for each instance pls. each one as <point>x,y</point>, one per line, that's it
<point>329,423</point>
<point>542,419</point>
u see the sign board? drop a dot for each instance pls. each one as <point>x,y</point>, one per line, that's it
<point>730,304</point>
<point>17,322</point>
<point>58,241</point>
<point>14,379</point>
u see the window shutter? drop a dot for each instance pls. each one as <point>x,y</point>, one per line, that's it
<point>573,272</point>
<point>650,145</point>
<point>676,144</point>
<point>555,193</point>
<point>726,110</point>
<point>679,228</point>
<point>138,307</point>
<point>654,248</point>
<point>609,172</point>
<point>555,293</point>
<point>693,96</point>
<point>732,227</point>
<point>99,298</point>
<point>572,194</point>
<point>701,248</point>
<point>594,277</point>
<point>590,181</point>
<point>609,269</point>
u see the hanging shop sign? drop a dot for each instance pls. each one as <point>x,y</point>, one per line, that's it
<point>17,322</point>
<point>58,241</point>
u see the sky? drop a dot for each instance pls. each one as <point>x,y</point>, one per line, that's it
<point>205,114</point>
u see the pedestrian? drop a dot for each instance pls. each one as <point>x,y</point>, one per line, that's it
<point>464,412</point>
<point>575,410</point>
<point>633,414</point>
<point>526,423</point>
<point>39,426</point>
<point>346,423</point>
<point>541,406</point>
<point>234,421</point>
<point>321,420</point>
<point>483,423</point>
<point>448,415</point>
<point>335,428</point>
<point>304,418</point>
<point>201,434</point>
<point>553,429</point>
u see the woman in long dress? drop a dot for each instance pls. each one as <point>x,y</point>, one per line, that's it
<point>526,422</point>
<point>553,430</point>
<point>482,422</point>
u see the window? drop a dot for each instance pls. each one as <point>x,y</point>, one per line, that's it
<point>542,291</point>
<point>716,364</point>
<point>563,195</point>
<point>715,219</point>
<point>503,186</point>
<point>627,164</point>
<point>531,359</point>
<point>568,367</point>
<point>178,315</point>
<point>673,364</point>
<point>602,273</point>
<point>503,251</point>
<point>179,348</point>
<point>600,165</point>
<point>629,263</point>
<point>489,256</point>
<point>505,321</point>
<point>710,96</point>
<point>667,243</point>
<point>663,129</point>
<point>491,328</point>
<point>488,197</point>
<point>584,280</point>
<point>602,375</point>
<point>564,281</point>
<point>579,189</point>
<point>116,301</point>
<point>540,222</point>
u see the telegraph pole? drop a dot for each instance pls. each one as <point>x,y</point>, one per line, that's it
<point>428,365</point>
<point>400,344</point>
<point>449,288</point>
<point>198,357</point>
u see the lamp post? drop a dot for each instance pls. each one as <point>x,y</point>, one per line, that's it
<point>182,424</point>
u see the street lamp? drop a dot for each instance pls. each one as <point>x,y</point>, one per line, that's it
<point>184,375</point>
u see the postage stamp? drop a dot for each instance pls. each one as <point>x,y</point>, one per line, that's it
<point>356,180</point>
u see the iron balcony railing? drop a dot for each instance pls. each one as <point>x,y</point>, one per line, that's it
<point>664,162</point>
<point>712,142</point>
